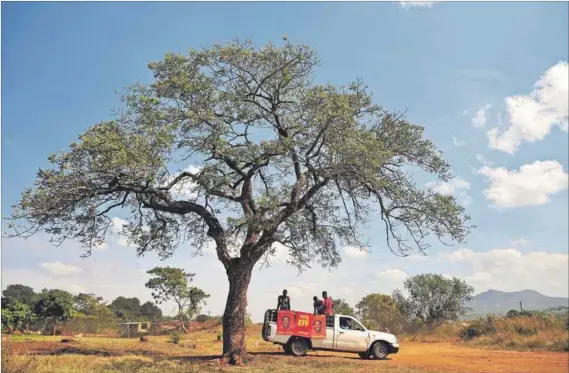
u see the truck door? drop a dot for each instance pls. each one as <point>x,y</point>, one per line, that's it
<point>351,335</point>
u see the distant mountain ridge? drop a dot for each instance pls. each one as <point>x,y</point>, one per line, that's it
<point>500,302</point>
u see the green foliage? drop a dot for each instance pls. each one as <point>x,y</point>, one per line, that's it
<point>248,320</point>
<point>175,337</point>
<point>169,283</point>
<point>288,160</point>
<point>341,307</point>
<point>18,293</point>
<point>127,309</point>
<point>478,328</point>
<point>17,316</point>
<point>56,304</point>
<point>378,311</point>
<point>150,311</point>
<point>513,313</point>
<point>433,298</point>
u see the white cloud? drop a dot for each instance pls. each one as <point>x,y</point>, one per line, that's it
<point>479,119</point>
<point>519,242</point>
<point>533,184</point>
<point>60,269</point>
<point>116,230</point>
<point>480,158</point>
<point>533,116</point>
<point>355,252</point>
<point>512,270</point>
<point>449,187</point>
<point>457,187</point>
<point>457,142</point>
<point>417,4</point>
<point>392,274</point>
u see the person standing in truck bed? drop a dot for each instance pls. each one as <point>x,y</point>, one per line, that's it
<point>318,306</point>
<point>327,304</point>
<point>283,302</point>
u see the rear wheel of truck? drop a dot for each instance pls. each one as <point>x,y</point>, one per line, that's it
<point>380,350</point>
<point>298,347</point>
<point>286,349</point>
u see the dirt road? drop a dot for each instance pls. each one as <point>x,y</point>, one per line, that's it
<point>413,357</point>
<point>452,358</point>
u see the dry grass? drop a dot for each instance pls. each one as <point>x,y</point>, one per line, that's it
<point>524,333</point>
<point>199,351</point>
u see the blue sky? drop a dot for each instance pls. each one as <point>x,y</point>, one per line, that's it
<point>466,71</point>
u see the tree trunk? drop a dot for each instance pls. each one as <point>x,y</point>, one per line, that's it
<point>54,325</point>
<point>182,317</point>
<point>234,349</point>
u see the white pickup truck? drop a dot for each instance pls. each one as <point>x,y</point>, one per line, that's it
<point>343,334</point>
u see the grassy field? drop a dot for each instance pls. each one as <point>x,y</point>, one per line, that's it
<point>199,352</point>
<point>521,333</point>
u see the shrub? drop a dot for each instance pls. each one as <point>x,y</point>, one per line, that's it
<point>478,328</point>
<point>175,337</point>
<point>512,314</point>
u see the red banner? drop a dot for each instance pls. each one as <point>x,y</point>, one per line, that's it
<point>285,322</point>
<point>318,330</point>
<point>303,324</point>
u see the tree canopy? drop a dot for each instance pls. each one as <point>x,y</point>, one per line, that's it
<point>56,304</point>
<point>378,311</point>
<point>18,293</point>
<point>172,284</point>
<point>127,309</point>
<point>280,160</point>
<point>433,298</point>
<point>341,307</point>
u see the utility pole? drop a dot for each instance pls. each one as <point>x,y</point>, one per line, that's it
<point>521,308</point>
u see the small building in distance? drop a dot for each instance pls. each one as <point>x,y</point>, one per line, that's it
<point>134,329</point>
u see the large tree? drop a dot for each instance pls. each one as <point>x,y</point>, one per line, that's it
<point>150,311</point>
<point>173,284</point>
<point>281,160</point>
<point>88,304</point>
<point>55,304</point>
<point>18,293</point>
<point>433,298</point>
<point>128,309</point>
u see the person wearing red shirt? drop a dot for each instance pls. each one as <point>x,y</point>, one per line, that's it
<point>327,304</point>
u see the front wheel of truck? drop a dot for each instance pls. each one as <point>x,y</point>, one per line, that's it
<point>380,350</point>
<point>298,347</point>
<point>365,355</point>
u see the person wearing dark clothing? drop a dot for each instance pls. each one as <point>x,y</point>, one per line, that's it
<point>327,304</point>
<point>283,302</point>
<point>318,306</point>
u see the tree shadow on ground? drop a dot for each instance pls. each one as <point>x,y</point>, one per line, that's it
<point>160,356</point>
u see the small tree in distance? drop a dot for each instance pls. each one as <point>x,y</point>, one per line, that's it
<point>433,298</point>
<point>341,307</point>
<point>172,284</point>
<point>282,160</point>
<point>378,311</point>
<point>55,304</point>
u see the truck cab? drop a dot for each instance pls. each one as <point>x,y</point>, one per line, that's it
<point>344,333</point>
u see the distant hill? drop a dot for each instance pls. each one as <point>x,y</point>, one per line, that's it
<point>500,302</point>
